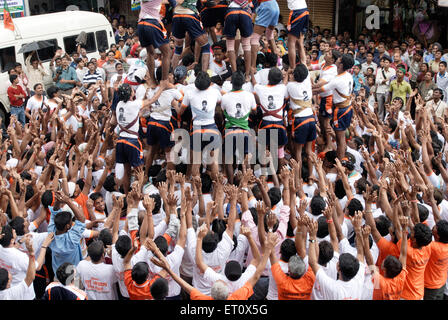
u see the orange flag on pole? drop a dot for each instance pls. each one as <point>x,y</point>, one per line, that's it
<point>7,19</point>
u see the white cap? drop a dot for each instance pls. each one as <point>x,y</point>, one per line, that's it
<point>71,188</point>
<point>67,208</point>
<point>82,146</point>
<point>150,189</point>
<point>140,73</point>
<point>143,54</point>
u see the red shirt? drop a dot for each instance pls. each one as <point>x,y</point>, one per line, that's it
<point>16,102</point>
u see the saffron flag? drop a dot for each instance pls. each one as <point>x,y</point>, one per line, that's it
<point>7,20</point>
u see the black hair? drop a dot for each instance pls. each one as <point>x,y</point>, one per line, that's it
<point>109,184</point>
<point>4,278</point>
<point>210,242</point>
<point>157,202</point>
<point>353,206</point>
<point>159,74</point>
<point>270,60</point>
<point>13,77</point>
<point>348,265</point>
<point>206,183</point>
<point>18,224</point>
<point>218,226</point>
<point>62,219</point>
<point>124,92</point>
<point>442,230</point>
<point>392,266</point>
<point>51,92</point>
<point>422,235</point>
<point>123,245</point>
<point>393,124</point>
<point>96,195</point>
<point>65,272</point>
<point>7,234</point>
<point>140,272</point>
<point>47,198</point>
<point>95,250</point>
<point>300,72</point>
<point>105,236</point>
<point>80,183</point>
<point>322,227</point>
<point>347,61</point>
<point>254,214</point>
<point>202,81</point>
<point>287,249</point>
<point>326,252</point>
<point>423,212</point>
<point>317,205</point>
<point>154,170</point>
<point>162,244</point>
<point>339,189</point>
<point>331,156</point>
<point>383,224</point>
<point>275,76</point>
<point>159,289</point>
<point>187,59</point>
<point>275,195</point>
<point>220,45</point>
<point>362,184</point>
<point>237,80</point>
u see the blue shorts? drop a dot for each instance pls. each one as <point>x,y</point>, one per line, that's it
<point>129,150</point>
<point>201,136</point>
<point>342,118</point>
<point>304,129</point>
<point>237,18</point>
<point>159,132</point>
<point>211,16</point>
<point>274,128</point>
<point>298,22</point>
<point>183,23</point>
<point>236,138</point>
<point>326,106</point>
<point>151,32</point>
<point>267,14</point>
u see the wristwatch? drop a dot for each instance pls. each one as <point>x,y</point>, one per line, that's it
<point>312,240</point>
<point>245,189</point>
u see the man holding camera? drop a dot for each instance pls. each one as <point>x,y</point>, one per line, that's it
<point>66,78</point>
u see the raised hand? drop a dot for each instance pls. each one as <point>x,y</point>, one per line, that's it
<point>148,203</point>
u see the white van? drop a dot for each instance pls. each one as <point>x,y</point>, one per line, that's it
<point>60,28</point>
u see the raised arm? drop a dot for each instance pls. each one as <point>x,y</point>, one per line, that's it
<point>271,242</point>
<point>203,230</point>
<point>357,224</point>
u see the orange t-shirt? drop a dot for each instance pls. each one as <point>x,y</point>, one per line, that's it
<point>242,293</point>
<point>100,62</point>
<point>386,248</point>
<point>437,268</point>
<point>293,289</point>
<point>390,289</point>
<point>138,291</point>
<point>417,259</point>
<point>82,201</point>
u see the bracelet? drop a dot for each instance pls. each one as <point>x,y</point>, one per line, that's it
<point>370,211</point>
<point>44,247</point>
<point>415,200</point>
<point>330,221</point>
<point>312,240</point>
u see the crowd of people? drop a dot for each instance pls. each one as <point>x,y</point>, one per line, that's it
<point>343,198</point>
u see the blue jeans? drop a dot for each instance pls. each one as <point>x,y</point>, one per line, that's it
<point>19,112</point>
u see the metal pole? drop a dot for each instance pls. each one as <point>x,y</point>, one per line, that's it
<point>336,19</point>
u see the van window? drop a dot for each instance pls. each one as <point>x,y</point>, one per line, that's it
<point>45,54</point>
<point>7,58</point>
<point>101,40</point>
<point>70,43</point>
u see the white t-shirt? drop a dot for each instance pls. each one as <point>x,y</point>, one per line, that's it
<point>272,98</point>
<point>126,112</point>
<point>19,291</point>
<point>328,73</point>
<point>174,259</point>
<point>16,262</point>
<point>161,109</point>
<point>343,83</point>
<point>272,290</point>
<point>262,76</point>
<point>215,259</point>
<point>227,87</point>
<point>203,104</point>
<point>98,280</point>
<point>117,263</point>
<point>300,91</point>
<point>331,270</point>
<point>34,104</point>
<point>332,289</point>
<point>238,104</point>
<point>213,276</point>
<point>216,68</point>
